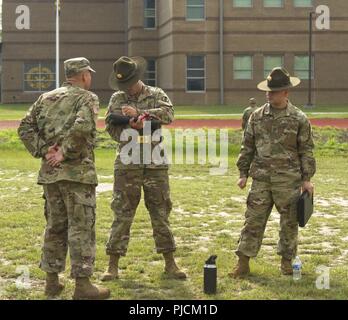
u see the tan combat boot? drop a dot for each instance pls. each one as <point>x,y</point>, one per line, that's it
<point>85,290</point>
<point>53,287</point>
<point>171,269</point>
<point>242,268</point>
<point>112,272</point>
<point>286,267</point>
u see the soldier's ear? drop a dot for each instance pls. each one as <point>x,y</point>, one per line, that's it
<point>85,76</point>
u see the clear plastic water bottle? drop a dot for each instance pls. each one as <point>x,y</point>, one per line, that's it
<point>296,269</point>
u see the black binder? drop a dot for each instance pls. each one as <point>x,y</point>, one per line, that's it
<point>304,208</point>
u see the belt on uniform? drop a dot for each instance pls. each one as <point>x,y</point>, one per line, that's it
<point>144,139</point>
<point>148,139</point>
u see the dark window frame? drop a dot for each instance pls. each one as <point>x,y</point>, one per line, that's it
<point>196,78</point>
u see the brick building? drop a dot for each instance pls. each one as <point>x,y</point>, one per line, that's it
<point>198,51</point>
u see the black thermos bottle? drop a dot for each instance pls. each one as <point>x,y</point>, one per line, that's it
<point>210,276</point>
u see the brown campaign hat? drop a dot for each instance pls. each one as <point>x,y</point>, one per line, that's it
<point>279,79</point>
<point>127,71</point>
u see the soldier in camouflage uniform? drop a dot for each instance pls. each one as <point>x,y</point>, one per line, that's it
<point>60,128</point>
<point>277,152</point>
<point>248,111</point>
<point>126,110</point>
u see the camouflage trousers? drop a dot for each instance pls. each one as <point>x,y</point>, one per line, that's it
<point>260,201</point>
<point>70,216</point>
<point>126,197</point>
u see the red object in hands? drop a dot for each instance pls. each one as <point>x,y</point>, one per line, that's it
<point>144,117</point>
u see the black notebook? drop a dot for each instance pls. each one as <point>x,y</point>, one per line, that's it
<point>304,208</point>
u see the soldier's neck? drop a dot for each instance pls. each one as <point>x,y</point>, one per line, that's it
<point>76,84</point>
<point>280,106</point>
<point>137,94</point>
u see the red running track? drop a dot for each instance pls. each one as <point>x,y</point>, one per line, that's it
<point>209,123</point>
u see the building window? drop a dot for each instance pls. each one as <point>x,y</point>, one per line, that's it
<point>39,76</point>
<point>150,74</point>
<point>149,14</point>
<point>243,3</point>
<point>271,62</point>
<point>273,3</point>
<point>195,9</point>
<point>303,3</point>
<point>243,67</point>
<point>301,67</point>
<point>195,73</point>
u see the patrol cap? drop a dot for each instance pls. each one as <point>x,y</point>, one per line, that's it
<point>252,101</point>
<point>76,65</point>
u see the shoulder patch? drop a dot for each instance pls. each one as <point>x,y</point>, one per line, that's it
<point>93,101</point>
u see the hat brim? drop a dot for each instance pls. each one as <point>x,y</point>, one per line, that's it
<point>263,86</point>
<point>87,68</point>
<point>90,69</point>
<point>116,84</point>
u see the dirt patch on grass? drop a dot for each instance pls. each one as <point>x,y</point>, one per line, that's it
<point>327,231</point>
<point>338,201</point>
<point>238,199</point>
<point>341,260</point>
<point>104,187</point>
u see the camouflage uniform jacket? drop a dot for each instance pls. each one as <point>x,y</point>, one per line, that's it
<point>277,146</point>
<point>153,101</point>
<point>246,115</point>
<point>66,116</point>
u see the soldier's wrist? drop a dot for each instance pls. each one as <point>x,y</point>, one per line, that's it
<point>306,178</point>
<point>243,175</point>
<point>44,150</point>
<point>65,153</point>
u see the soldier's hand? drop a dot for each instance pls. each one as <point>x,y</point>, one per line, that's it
<point>136,124</point>
<point>308,186</point>
<point>129,111</point>
<point>56,158</point>
<point>51,151</point>
<point>242,182</point>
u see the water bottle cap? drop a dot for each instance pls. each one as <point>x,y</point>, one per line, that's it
<point>211,260</point>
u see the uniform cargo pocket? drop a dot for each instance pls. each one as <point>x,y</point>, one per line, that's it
<point>84,210</point>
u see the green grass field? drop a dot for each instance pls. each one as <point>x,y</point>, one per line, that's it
<point>206,219</point>
<point>18,111</point>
